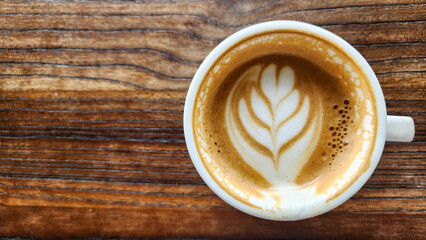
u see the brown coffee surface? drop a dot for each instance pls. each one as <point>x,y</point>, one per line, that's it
<point>325,79</point>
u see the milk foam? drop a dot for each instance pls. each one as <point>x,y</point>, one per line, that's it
<point>273,117</point>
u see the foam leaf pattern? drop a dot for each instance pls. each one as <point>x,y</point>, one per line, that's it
<point>263,124</point>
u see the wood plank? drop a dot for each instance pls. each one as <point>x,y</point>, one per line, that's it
<point>91,118</point>
<point>208,28</point>
<point>160,222</point>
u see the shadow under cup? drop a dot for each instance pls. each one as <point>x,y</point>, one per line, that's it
<point>283,123</point>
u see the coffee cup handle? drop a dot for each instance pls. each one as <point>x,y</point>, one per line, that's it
<point>399,129</point>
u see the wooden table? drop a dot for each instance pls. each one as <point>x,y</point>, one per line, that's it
<point>91,104</point>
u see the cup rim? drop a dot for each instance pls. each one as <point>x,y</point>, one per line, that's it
<point>276,25</point>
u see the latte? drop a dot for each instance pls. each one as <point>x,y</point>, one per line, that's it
<point>284,115</point>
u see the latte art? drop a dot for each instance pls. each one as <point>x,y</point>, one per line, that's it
<point>284,118</point>
<point>272,124</point>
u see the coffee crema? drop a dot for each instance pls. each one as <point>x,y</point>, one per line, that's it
<point>284,116</point>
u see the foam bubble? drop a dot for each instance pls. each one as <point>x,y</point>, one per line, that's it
<point>360,93</point>
<point>366,135</point>
<point>337,60</point>
<point>357,82</point>
<point>348,67</point>
<point>368,123</point>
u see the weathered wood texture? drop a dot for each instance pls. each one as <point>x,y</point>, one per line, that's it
<point>91,103</point>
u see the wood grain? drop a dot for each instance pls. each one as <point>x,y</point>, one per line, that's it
<point>91,106</point>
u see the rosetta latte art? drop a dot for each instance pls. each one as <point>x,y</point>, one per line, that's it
<point>271,123</point>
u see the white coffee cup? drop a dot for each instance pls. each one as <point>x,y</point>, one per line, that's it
<point>389,128</point>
